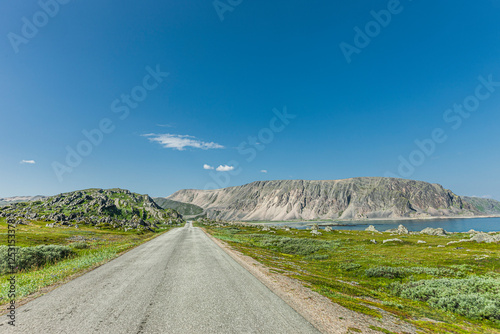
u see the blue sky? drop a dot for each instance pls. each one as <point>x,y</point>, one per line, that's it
<point>225,78</point>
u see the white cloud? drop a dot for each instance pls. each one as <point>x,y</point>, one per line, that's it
<point>205,166</point>
<point>224,168</point>
<point>263,171</point>
<point>180,142</point>
<point>31,162</point>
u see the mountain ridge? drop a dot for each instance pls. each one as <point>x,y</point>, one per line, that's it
<point>346,199</point>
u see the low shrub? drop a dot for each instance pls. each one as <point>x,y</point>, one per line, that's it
<point>387,272</point>
<point>349,266</point>
<point>474,297</point>
<point>317,257</point>
<point>400,272</point>
<point>294,246</point>
<point>28,257</point>
<point>80,245</point>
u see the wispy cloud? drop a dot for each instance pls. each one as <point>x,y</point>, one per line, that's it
<point>264,171</point>
<point>165,125</point>
<point>180,142</point>
<point>224,168</point>
<point>205,166</point>
<point>31,162</point>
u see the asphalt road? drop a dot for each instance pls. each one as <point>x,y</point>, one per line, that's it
<point>179,282</point>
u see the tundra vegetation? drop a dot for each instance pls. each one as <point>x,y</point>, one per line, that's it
<point>439,282</point>
<point>50,255</point>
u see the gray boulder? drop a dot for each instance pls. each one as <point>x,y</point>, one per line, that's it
<point>486,238</point>
<point>402,230</point>
<point>434,231</point>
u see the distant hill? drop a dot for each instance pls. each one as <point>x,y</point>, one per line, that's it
<point>184,209</point>
<point>356,198</point>
<point>484,205</point>
<point>20,199</point>
<point>116,207</point>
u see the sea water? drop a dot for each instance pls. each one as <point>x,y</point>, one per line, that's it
<point>450,225</point>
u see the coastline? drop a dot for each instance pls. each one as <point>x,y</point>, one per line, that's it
<point>361,221</point>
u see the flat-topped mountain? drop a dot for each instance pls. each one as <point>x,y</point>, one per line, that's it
<point>116,207</point>
<point>355,198</point>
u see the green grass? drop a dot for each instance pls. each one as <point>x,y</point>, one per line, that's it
<point>417,283</point>
<point>79,250</point>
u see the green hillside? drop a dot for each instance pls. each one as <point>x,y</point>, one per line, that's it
<point>183,208</point>
<point>115,207</point>
<point>484,205</point>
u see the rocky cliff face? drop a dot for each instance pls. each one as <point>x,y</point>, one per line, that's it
<point>357,198</point>
<point>116,207</point>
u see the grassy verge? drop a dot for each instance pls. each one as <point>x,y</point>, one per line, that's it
<point>90,248</point>
<point>453,288</point>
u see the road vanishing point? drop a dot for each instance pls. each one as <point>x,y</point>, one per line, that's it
<point>179,282</point>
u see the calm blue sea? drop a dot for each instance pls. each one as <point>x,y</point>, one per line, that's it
<point>450,225</point>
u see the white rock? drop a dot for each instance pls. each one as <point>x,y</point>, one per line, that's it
<point>402,230</point>
<point>391,240</point>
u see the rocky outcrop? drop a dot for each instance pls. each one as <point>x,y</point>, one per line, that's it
<point>434,231</point>
<point>357,198</point>
<point>112,207</point>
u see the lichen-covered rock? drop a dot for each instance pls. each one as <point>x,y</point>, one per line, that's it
<point>486,238</point>
<point>402,230</point>
<point>434,231</point>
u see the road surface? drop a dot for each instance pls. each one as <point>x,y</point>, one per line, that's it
<point>179,282</point>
